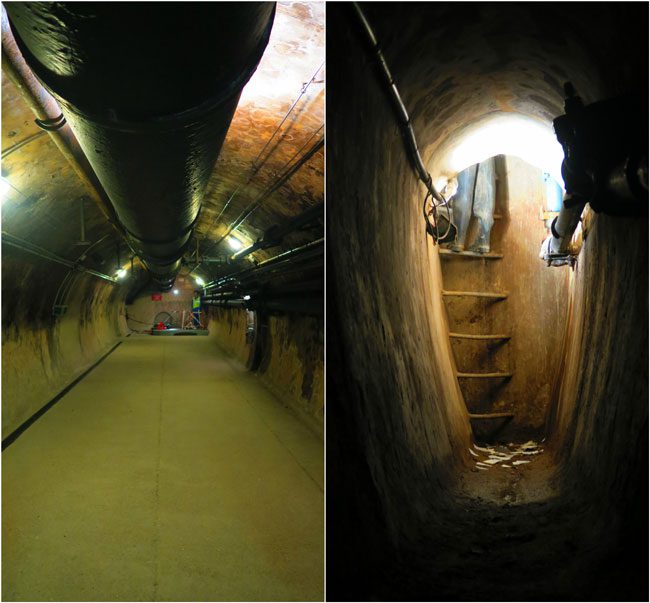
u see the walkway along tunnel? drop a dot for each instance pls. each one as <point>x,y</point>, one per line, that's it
<point>147,456</point>
<point>487,414</point>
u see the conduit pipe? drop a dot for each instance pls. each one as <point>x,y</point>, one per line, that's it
<point>405,124</point>
<point>274,235</point>
<point>310,251</point>
<point>45,254</point>
<point>284,177</point>
<point>46,109</point>
<point>149,91</point>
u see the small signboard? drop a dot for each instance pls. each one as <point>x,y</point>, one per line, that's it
<point>156,297</point>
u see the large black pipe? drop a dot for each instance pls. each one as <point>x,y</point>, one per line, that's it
<point>149,90</point>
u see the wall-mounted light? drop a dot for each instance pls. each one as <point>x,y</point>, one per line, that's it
<point>247,297</point>
<point>234,243</point>
<point>175,292</point>
<point>199,281</point>
<point>121,273</point>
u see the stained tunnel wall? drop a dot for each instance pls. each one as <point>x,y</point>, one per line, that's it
<point>290,362</point>
<point>599,424</point>
<point>42,354</point>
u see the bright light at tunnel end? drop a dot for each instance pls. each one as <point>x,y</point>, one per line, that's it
<point>503,134</point>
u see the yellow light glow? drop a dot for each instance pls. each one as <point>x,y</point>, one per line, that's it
<point>506,134</point>
<point>121,273</point>
<point>199,281</point>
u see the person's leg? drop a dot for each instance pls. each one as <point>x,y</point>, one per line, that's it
<point>195,316</point>
<point>462,205</point>
<point>484,197</point>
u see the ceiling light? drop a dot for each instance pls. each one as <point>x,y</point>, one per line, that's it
<point>247,297</point>
<point>121,273</point>
<point>5,189</point>
<point>175,291</point>
<point>234,243</point>
<point>199,281</point>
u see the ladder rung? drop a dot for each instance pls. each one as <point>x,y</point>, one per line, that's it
<point>502,295</point>
<point>484,375</point>
<point>497,216</point>
<point>492,415</point>
<point>470,254</point>
<point>468,336</point>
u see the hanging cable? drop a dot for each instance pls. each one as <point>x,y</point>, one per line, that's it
<point>256,166</point>
<point>407,131</point>
<point>290,170</point>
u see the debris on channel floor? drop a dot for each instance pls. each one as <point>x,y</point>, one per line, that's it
<point>504,455</point>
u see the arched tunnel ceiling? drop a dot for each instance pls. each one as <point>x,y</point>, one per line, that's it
<point>43,205</point>
<point>457,63</point>
<point>295,53</point>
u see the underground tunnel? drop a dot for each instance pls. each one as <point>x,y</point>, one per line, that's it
<point>162,301</point>
<point>487,433</point>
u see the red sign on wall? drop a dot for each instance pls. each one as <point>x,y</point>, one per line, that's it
<point>156,297</point>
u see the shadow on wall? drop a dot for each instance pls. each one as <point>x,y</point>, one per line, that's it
<point>286,353</point>
<point>41,353</point>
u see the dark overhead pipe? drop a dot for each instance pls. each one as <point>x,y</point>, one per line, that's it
<point>149,90</point>
<point>273,236</point>
<point>310,253</point>
<point>46,109</point>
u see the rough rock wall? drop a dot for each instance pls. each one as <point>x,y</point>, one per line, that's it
<point>393,365</point>
<point>41,354</point>
<point>600,423</point>
<point>290,357</point>
<point>228,328</point>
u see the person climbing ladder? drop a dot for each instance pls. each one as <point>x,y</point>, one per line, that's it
<point>475,196</point>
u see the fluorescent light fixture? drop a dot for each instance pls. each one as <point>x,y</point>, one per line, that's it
<point>5,189</point>
<point>175,291</point>
<point>234,243</point>
<point>247,297</point>
<point>121,273</point>
<point>199,281</point>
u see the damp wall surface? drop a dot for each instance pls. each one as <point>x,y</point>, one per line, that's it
<point>599,425</point>
<point>42,354</point>
<point>284,350</point>
<point>397,426</point>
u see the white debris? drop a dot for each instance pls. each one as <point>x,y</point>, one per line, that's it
<point>482,468</point>
<point>509,467</point>
<point>492,461</point>
<point>519,462</point>
<point>472,452</point>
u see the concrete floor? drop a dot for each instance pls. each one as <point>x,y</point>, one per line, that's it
<point>168,474</point>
